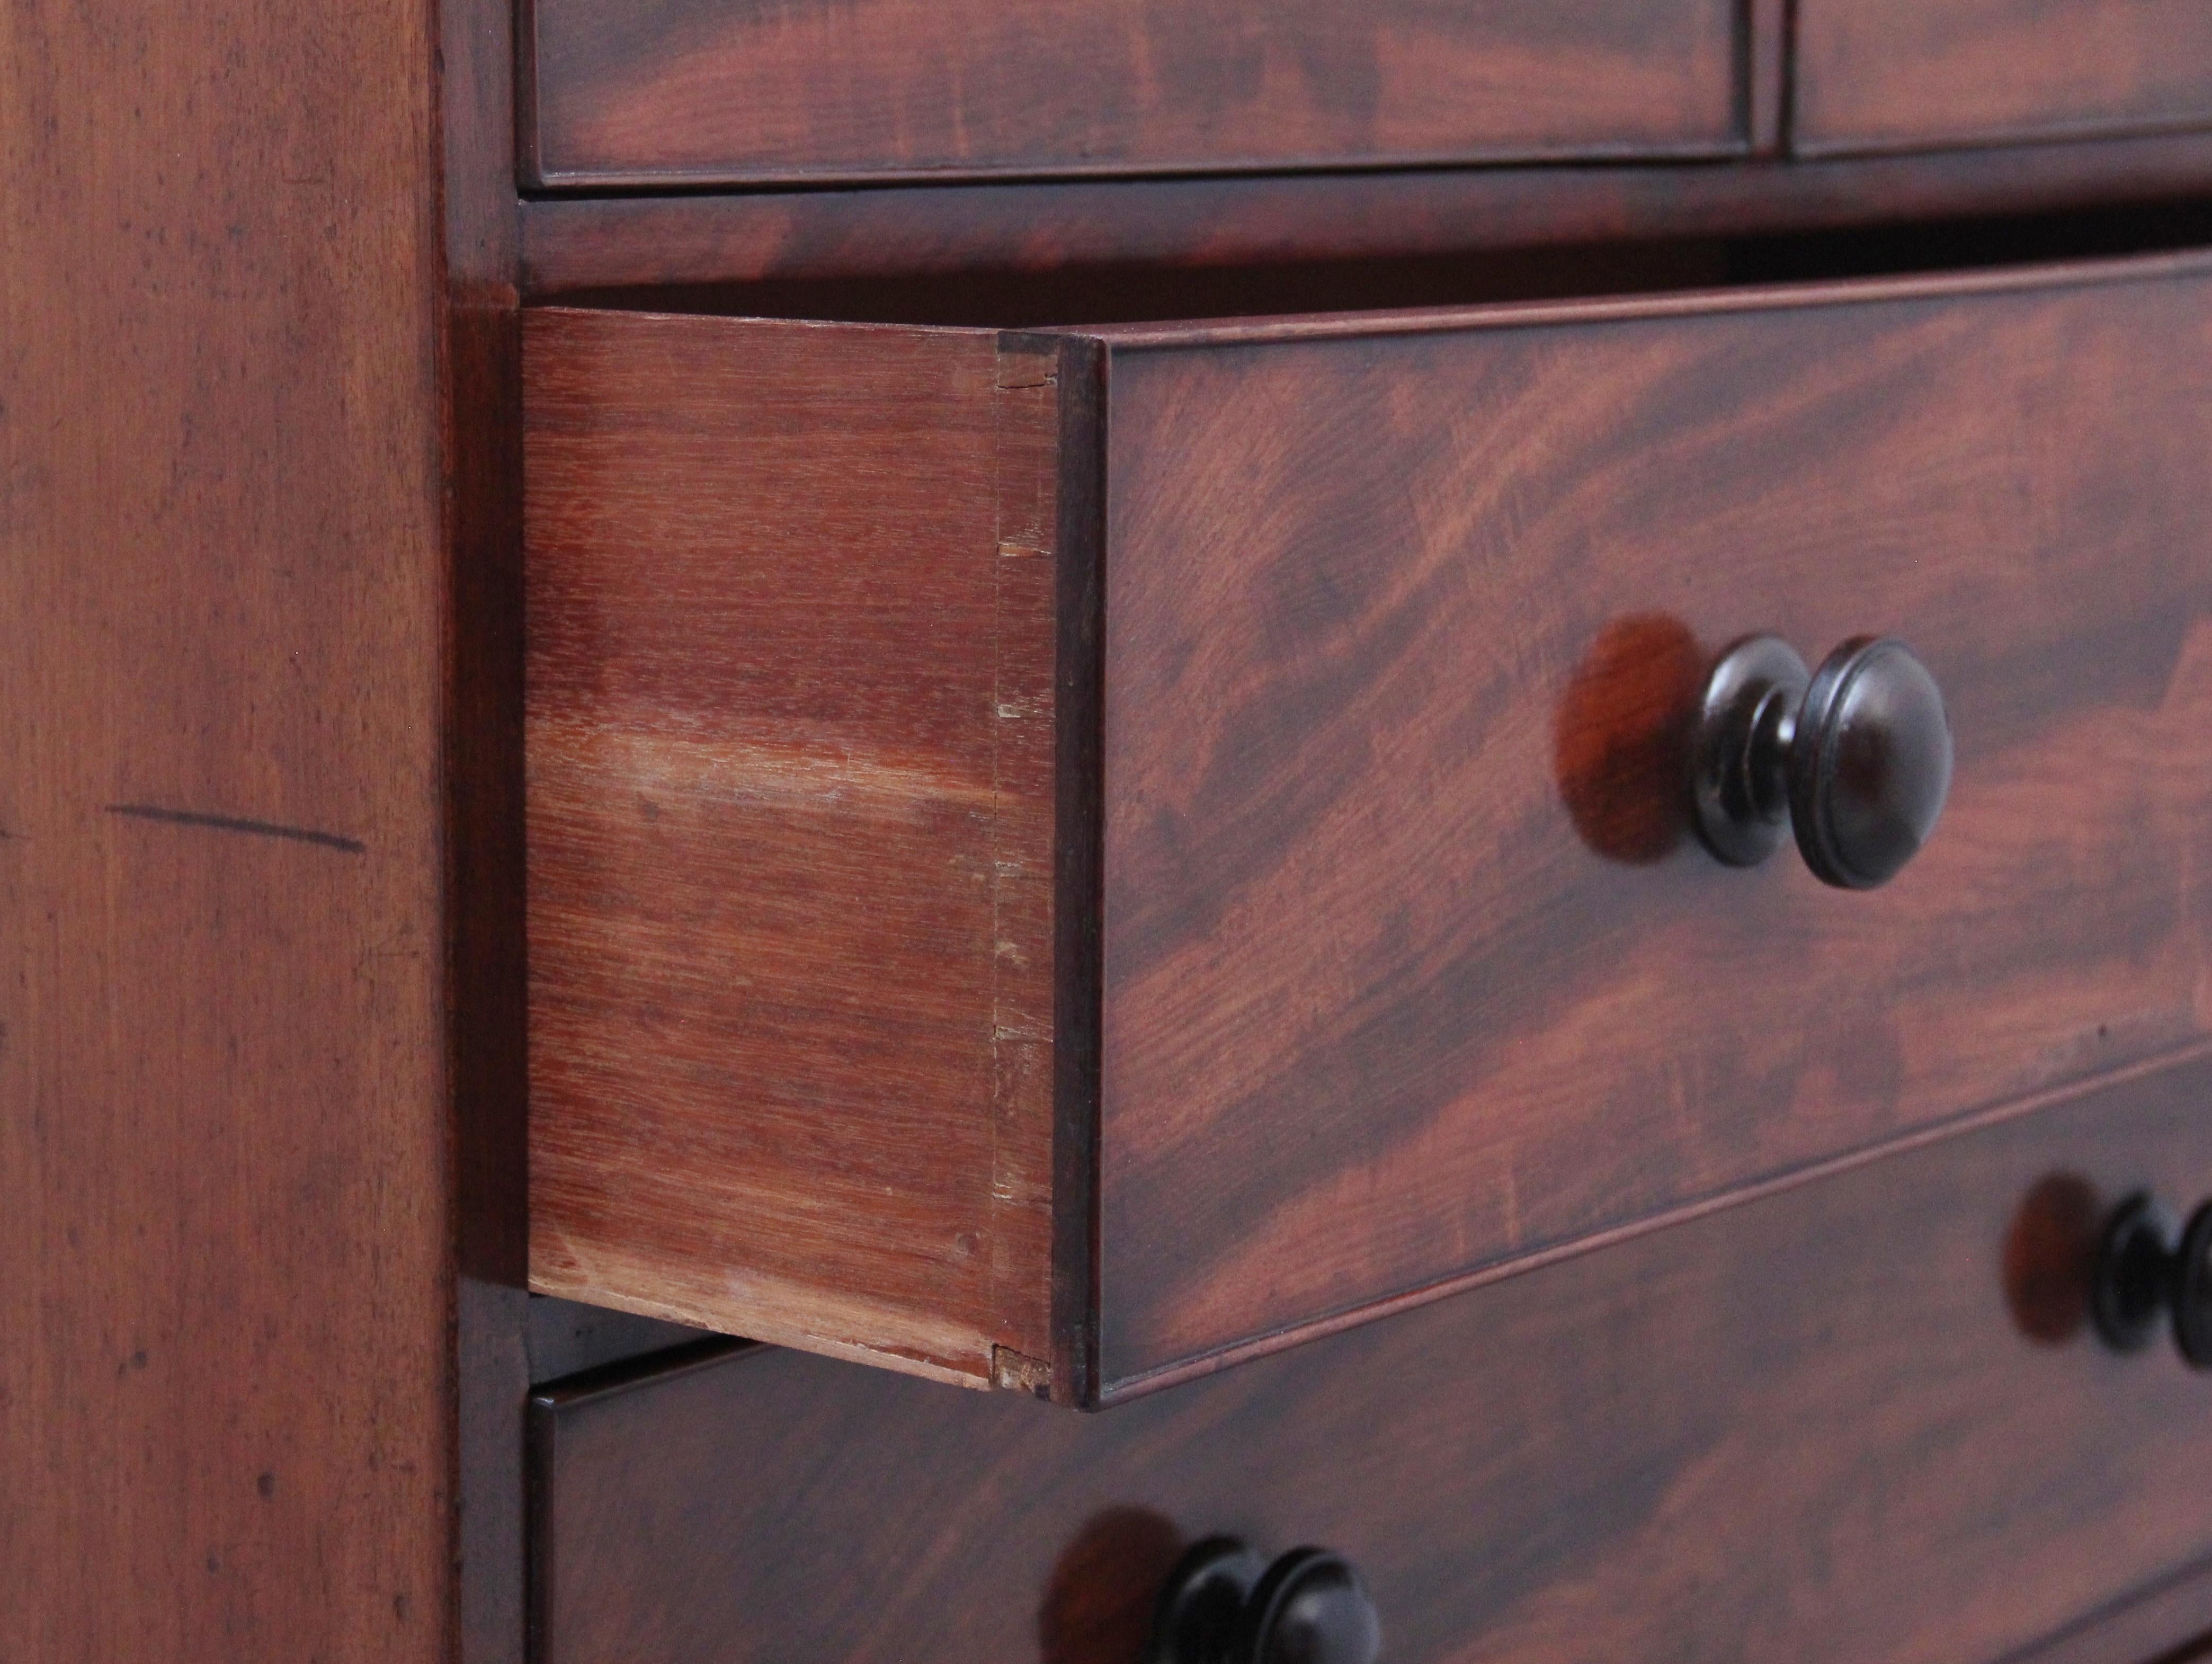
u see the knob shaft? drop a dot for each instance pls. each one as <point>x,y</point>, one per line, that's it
<point>1855,758</point>
<point>1224,1603</point>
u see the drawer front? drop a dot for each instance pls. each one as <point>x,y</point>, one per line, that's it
<point>1883,75</point>
<point>1862,1420</point>
<point>1411,966</point>
<point>697,91</point>
<point>1071,861</point>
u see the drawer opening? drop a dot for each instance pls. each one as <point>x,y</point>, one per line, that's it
<point>1079,297</point>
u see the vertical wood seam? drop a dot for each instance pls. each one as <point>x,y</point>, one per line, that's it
<point>1786,91</point>
<point>1764,63</point>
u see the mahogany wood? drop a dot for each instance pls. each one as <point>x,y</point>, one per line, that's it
<point>573,243</point>
<point>227,1421</point>
<point>1411,972</point>
<point>698,92</point>
<point>1411,966</point>
<point>1886,74</point>
<point>1811,1428</point>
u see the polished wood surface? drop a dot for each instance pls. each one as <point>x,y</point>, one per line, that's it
<point>1874,74</point>
<point>1127,226</point>
<point>1411,971</point>
<point>1812,1428</point>
<point>695,91</point>
<point>1410,965</point>
<point>259,469</point>
<point>226,1389</point>
<point>790,768</point>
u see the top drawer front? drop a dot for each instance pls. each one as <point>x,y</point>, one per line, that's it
<point>701,90</point>
<point>1881,74</point>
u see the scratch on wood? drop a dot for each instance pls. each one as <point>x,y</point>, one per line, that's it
<point>146,811</point>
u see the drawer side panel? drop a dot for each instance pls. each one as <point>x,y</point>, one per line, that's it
<point>790,826</point>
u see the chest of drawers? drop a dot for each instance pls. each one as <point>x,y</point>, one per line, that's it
<point>1445,758</point>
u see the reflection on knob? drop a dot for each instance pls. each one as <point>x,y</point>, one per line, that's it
<point>1224,1604</point>
<point>2148,1268</point>
<point>1855,757</point>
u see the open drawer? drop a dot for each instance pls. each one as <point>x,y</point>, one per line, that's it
<point>1067,858</point>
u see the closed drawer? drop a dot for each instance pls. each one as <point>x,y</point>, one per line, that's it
<point>697,91</point>
<point>1073,859</point>
<point>1864,1419</point>
<point>1885,74</point>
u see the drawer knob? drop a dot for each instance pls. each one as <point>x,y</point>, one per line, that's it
<point>1853,758</point>
<point>2147,1269</point>
<point>1224,1604</point>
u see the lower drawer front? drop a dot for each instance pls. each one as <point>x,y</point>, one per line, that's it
<point>1864,1419</point>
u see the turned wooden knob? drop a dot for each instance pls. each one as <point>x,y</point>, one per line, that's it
<point>1224,1603</point>
<point>1854,758</point>
<point>2149,1269</point>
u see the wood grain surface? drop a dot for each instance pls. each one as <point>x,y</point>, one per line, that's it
<point>226,1388</point>
<point>1872,74</point>
<point>791,765</point>
<point>1810,1429</point>
<point>698,91</point>
<point>1410,966</point>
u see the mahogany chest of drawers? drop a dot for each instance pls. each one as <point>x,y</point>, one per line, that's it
<point>1108,832</point>
<point>1203,860</point>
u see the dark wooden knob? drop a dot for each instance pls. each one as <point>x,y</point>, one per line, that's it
<point>2149,1269</point>
<point>1853,758</point>
<point>1224,1603</point>
<point>2128,1289</point>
